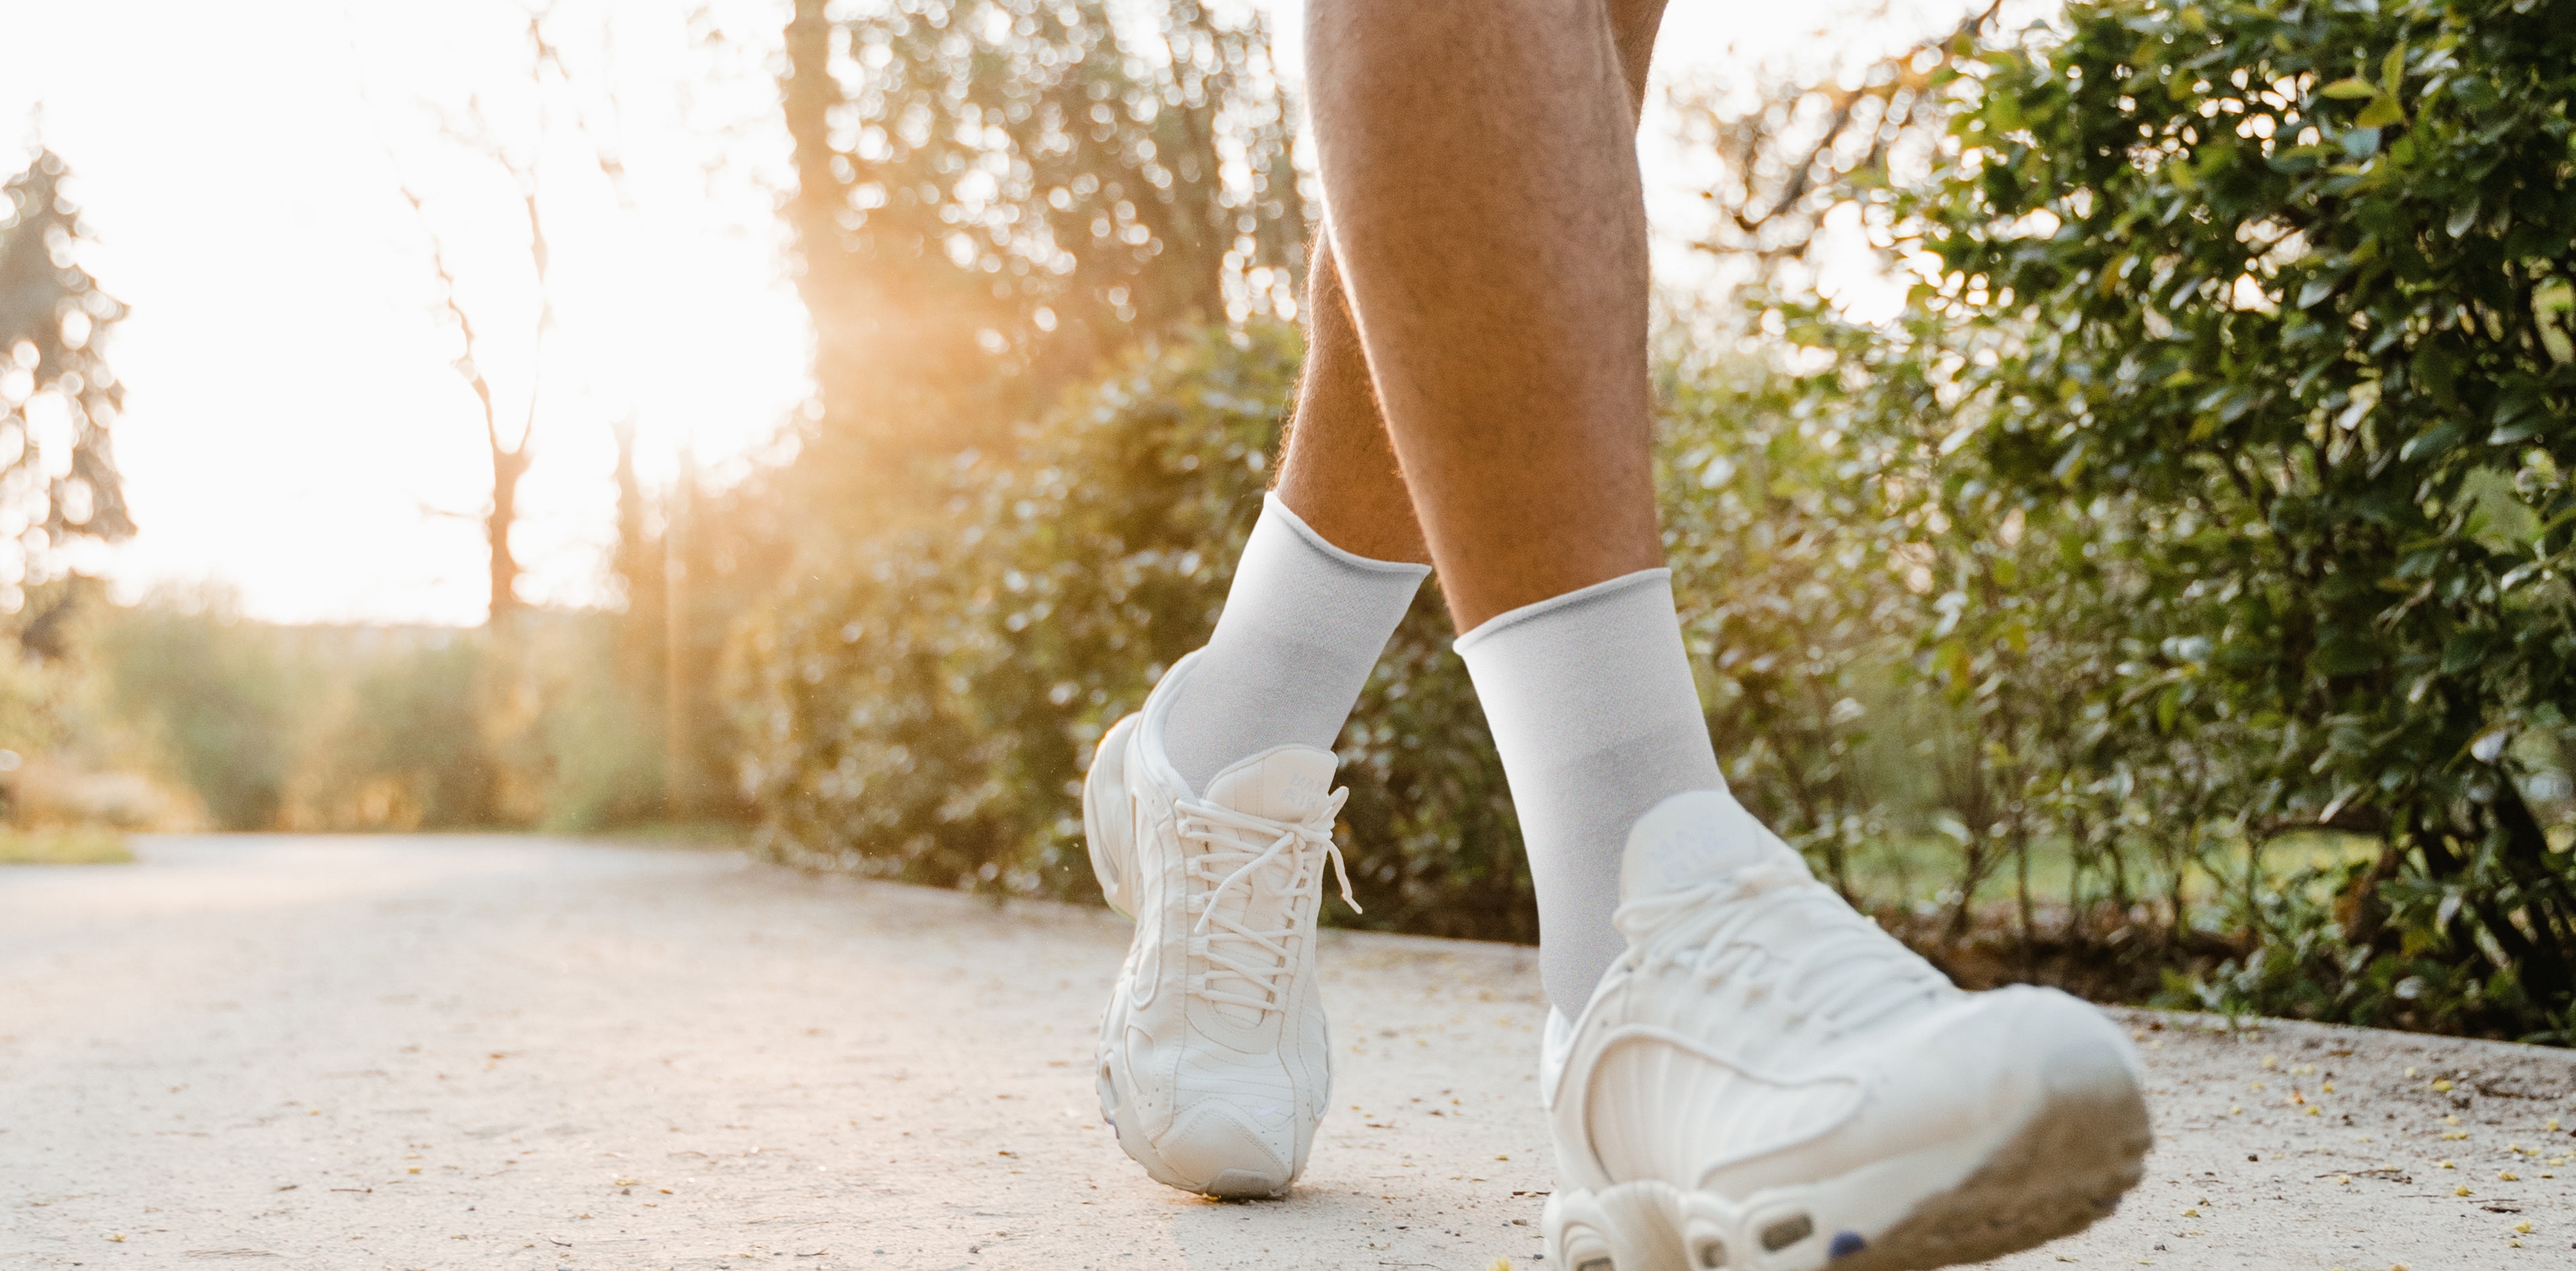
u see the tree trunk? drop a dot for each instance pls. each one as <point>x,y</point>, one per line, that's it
<point>507,467</point>
<point>2541,955</point>
<point>680,786</point>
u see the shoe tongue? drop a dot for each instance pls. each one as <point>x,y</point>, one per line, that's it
<point>1691,838</point>
<point>1283,783</point>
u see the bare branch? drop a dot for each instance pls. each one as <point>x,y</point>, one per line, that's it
<point>1770,145</point>
<point>607,155</point>
<point>466,367</point>
<point>542,258</point>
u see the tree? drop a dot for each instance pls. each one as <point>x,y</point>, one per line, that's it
<point>994,195</point>
<point>517,151</point>
<point>1803,149</point>
<point>507,441</point>
<point>58,396</point>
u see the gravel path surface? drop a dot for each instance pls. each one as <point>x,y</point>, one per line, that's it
<point>466,1052</point>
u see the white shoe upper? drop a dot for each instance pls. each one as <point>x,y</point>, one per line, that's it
<point>1214,1050</point>
<point>1760,1034</point>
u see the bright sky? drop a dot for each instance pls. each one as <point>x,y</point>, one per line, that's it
<point>293,428</point>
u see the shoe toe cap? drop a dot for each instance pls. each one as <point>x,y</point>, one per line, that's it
<point>1994,1053</point>
<point>1219,1149</point>
<point>2071,1046</point>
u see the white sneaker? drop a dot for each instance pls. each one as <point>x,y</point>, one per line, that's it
<point>1767,1081</point>
<point>1215,1065</point>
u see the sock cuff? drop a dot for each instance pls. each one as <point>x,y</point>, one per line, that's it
<point>1273,505</point>
<point>1554,604</point>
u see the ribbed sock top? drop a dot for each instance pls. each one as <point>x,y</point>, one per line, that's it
<point>1304,621</point>
<point>1590,699</point>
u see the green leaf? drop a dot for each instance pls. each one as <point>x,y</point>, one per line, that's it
<point>2436,440</point>
<point>2380,113</point>
<point>2438,369</point>
<point>2361,143</point>
<point>1950,662</point>
<point>2350,89</point>
<point>2344,655</point>
<point>2497,520</point>
<point>2392,70</point>
<point>2463,650</point>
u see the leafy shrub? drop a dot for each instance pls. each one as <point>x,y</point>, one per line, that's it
<point>64,845</point>
<point>921,705</point>
<point>403,749</point>
<point>211,698</point>
<point>597,741</point>
<point>2264,307</point>
<point>335,728</point>
<point>2208,510</point>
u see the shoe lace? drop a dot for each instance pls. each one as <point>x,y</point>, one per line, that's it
<point>1238,846</point>
<point>1771,927</point>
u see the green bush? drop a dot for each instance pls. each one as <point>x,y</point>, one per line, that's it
<point>922,705</point>
<point>598,741</point>
<point>336,728</point>
<point>2206,517</point>
<point>2258,311</point>
<point>211,697</point>
<point>64,845</point>
<point>405,750</point>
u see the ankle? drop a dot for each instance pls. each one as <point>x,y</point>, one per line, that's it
<point>1304,621</point>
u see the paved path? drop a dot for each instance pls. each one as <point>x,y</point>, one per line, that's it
<point>533,1053</point>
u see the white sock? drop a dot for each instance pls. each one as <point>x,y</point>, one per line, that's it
<point>1590,699</point>
<point>1303,623</point>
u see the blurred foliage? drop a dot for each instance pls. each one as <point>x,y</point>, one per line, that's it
<point>1801,150</point>
<point>993,196</point>
<point>365,728</point>
<point>542,719</point>
<point>58,396</point>
<point>215,701</point>
<point>924,709</point>
<point>64,845</point>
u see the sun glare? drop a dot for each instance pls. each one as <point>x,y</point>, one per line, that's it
<point>296,426</point>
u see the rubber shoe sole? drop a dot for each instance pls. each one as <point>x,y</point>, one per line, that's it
<point>1109,835</point>
<point>1230,1184</point>
<point>2066,1165</point>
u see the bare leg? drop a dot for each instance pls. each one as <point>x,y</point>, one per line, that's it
<point>1338,468</point>
<point>1489,229</point>
<point>1509,345</point>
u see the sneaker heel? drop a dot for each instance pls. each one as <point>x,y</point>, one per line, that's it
<point>1108,822</point>
<point>1577,1233</point>
<point>1630,1227</point>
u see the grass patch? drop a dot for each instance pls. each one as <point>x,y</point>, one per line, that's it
<point>64,845</point>
<point>1922,870</point>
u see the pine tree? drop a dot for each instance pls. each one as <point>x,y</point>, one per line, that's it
<point>56,388</point>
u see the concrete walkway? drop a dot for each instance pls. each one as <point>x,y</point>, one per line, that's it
<point>534,1053</point>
